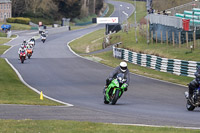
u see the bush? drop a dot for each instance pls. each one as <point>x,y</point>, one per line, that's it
<point>84,19</point>
<point>19,20</point>
<point>43,20</point>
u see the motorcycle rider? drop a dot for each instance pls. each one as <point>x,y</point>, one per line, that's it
<point>25,43</point>
<point>122,68</point>
<point>29,46</point>
<point>194,83</point>
<point>21,49</point>
<point>43,34</point>
<point>32,39</point>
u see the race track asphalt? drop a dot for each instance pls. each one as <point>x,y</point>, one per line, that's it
<point>62,75</point>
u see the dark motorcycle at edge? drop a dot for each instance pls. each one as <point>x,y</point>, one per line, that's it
<point>194,101</point>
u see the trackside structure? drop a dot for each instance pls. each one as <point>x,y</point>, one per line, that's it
<point>175,27</point>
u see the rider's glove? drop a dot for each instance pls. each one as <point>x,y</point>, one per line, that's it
<point>125,86</point>
<point>108,81</point>
<point>125,89</point>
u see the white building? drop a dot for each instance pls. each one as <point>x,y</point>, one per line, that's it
<point>5,9</point>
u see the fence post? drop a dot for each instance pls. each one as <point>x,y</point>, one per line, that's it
<point>167,37</point>
<point>156,37</point>
<point>187,38</point>
<point>173,39</point>
<point>179,37</point>
<point>161,36</point>
<point>152,37</point>
<point>194,39</point>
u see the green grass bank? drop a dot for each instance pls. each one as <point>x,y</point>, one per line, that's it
<point>59,126</point>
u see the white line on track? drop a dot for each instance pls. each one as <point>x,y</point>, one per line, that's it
<point>11,39</point>
<point>143,125</point>
<point>7,50</point>
<point>22,80</point>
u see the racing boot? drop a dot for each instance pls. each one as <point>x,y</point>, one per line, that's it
<point>104,90</point>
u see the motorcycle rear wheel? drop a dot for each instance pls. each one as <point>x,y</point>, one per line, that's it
<point>189,106</point>
<point>116,96</point>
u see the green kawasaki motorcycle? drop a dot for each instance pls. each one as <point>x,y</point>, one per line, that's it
<point>115,89</point>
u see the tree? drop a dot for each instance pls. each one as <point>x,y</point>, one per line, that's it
<point>56,9</point>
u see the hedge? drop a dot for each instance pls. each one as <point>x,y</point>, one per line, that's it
<point>20,20</point>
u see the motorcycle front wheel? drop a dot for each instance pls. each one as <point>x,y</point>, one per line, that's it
<point>105,101</point>
<point>29,56</point>
<point>189,106</point>
<point>22,59</point>
<point>115,97</point>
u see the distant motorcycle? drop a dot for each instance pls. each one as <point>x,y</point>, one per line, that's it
<point>32,43</point>
<point>22,56</point>
<point>115,89</point>
<point>195,99</point>
<point>29,52</point>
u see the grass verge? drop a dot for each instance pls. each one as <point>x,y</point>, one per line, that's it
<point>3,48</point>
<point>2,41</point>
<point>3,34</point>
<point>59,126</point>
<point>87,43</point>
<point>13,91</point>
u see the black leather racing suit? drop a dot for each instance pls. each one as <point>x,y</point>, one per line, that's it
<point>194,83</point>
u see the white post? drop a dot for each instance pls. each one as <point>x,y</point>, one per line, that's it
<point>120,14</point>
<point>135,25</point>
<point>147,26</point>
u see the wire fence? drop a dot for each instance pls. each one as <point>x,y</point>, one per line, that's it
<point>176,39</point>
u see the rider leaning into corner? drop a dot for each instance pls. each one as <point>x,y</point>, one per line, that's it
<point>194,83</point>
<point>122,68</point>
<point>25,43</point>
<point>32,39</point>
<point>21,49</point>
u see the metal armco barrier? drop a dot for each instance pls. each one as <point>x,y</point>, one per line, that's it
<point>175,66</point>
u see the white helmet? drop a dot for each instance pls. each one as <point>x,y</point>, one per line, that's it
<point>24,41</point>
<point>22,45</point>
<point>123,66</point>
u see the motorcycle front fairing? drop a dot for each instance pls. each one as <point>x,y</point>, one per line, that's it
<point>114,85</point>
